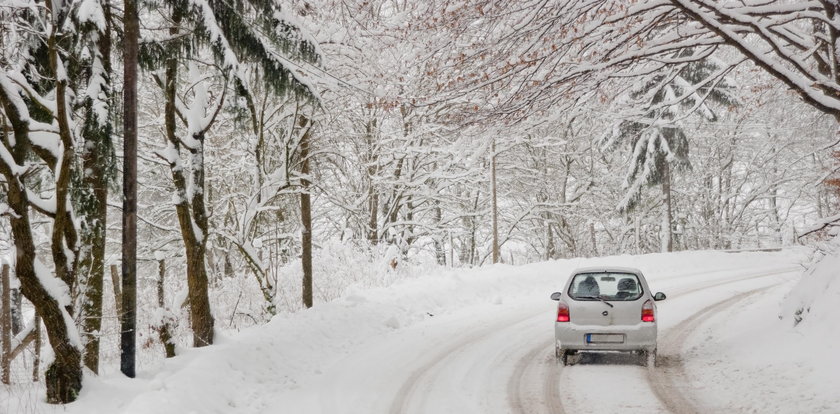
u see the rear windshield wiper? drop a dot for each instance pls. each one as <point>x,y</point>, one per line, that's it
<point>597,298</point>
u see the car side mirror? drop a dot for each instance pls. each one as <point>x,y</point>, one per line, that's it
<point>659,296</point>
<point>556,296</point>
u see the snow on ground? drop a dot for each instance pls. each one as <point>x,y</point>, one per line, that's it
<point>780,352</point>
<point>448,342</point>
<point>815,301</point>
<point>748,360</point>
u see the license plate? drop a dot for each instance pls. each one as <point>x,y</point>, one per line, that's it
<point>605,338</point>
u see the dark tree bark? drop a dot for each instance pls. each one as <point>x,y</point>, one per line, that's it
<point>305,212</point>
<point>493,205</point>
<point>192,216</point>
<point>164,330</point>
<point>64,375</point>
<point>96,161</point>
<point>667,219</point>
<point>128,324</point>
<point>5,324</point>
<point>17,311</point>
<point>36,360</point>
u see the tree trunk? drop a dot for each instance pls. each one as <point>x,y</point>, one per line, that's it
<point>5,325</point>
<point>548,234</point>
<point>201,317</point>
<point>128,326</point>
<point>191,212</point>
<point>63,237</point>
<point>36,359</point>
<point>64,379</point>
<point>451,250</point>
<point>17,310</point>
<point>305,212</point>
<point>164,330</point>
<point>666,236</point>
<point>373,215</point>
<point>494,206</point>
<point>96,163</point>
<point>373,195</point>
<point>92,268</point>
<point>395,202</point>
<point>637,237</point>
<point>115,282</point>
<point>550,249</point>
<point>408,233</point>
<point>440,254</point>
<point>197,280</point>
<point>775,220</point>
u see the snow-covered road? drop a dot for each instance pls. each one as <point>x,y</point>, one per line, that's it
<point>500,360</point>
<point>481,341</point>
<point>510,367</point>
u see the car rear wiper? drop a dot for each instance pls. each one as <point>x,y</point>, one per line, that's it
<point>597,298</point>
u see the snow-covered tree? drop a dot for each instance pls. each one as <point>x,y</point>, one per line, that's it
<point>659,145</point>
<point>238,35</point>
<point>38,160</point>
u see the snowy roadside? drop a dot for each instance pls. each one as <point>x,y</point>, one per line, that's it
<point>750,360</point>
<point>246,372</point>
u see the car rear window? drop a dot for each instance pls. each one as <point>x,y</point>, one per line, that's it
<point>605,286</point>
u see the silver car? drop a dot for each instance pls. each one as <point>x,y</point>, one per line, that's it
<point>606,309</point>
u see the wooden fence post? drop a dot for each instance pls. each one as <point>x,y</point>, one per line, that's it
<point>6,327</point>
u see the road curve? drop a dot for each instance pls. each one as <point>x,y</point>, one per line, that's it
<point>668,380</point>
<point>537,366</point>
<point>508,366</point>
<point>417,388</point>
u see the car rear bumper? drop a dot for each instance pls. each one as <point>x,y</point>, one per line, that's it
<point>635,337</point>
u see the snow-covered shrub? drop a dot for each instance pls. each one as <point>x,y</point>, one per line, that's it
<point>817,296</point>
<point>340,266</point>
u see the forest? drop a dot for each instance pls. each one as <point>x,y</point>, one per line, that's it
<point>285,153</point>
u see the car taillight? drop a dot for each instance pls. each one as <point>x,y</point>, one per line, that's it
<point>562,312</point>
<point>647,312</point>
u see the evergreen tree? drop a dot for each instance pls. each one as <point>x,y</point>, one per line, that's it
<point>658,142</point>
<point>95,170</point>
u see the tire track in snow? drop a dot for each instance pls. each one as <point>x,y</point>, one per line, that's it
<point>527,373</point>
<point>411,387</point>
<point>682,292</point>
<point>523,402</point>
<point>401,401</point>
<point>533,373</point>
<point>668,380</point>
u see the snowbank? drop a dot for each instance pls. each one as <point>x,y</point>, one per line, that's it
<point>750,361</point>
<point>246,372</point>
<point>815,300</point>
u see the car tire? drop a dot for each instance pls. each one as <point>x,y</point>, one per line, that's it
<point>650,358</point>
<point>561,355</point>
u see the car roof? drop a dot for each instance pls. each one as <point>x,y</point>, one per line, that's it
<point>607,269</point>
